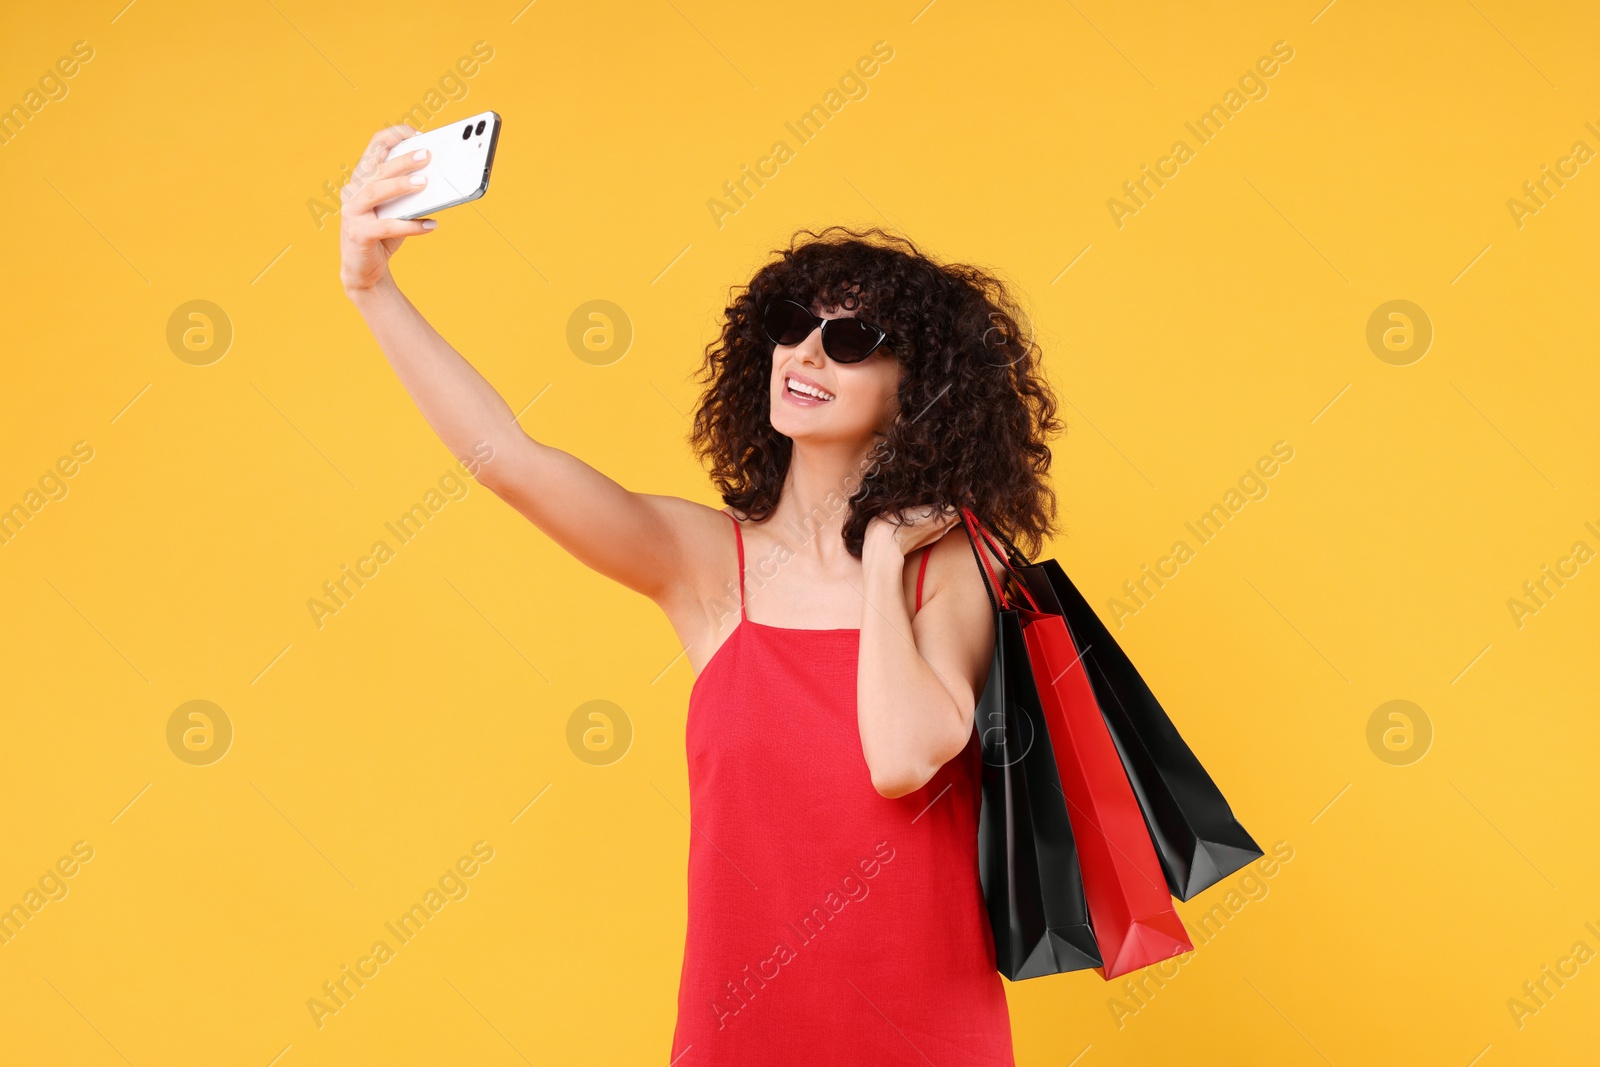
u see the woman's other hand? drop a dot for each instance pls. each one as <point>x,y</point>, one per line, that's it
<point>917,527</point>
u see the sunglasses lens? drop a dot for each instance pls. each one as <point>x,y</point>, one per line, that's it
<point>850,340</point>
<point>786,322</point>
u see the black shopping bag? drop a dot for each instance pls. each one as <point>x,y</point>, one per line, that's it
<point>1027,860</point>
<point>1194,830</point>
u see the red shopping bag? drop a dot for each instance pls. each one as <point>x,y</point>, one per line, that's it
<point>1130,905</point>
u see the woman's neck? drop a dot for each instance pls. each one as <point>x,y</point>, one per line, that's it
<point>816,495</point>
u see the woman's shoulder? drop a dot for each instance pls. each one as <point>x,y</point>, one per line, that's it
<point>701,600</point>
<point>703,546</point>
<point>952,571</point>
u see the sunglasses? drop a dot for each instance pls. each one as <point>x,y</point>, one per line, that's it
<point>844,340</point>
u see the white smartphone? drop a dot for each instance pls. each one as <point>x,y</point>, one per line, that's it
<point>461,154</point>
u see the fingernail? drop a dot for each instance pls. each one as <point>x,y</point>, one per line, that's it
<point>418,179</point>
<point>428,224</point>
<point>421,153</point>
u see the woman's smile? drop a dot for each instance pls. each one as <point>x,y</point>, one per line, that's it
<point>804,392</point>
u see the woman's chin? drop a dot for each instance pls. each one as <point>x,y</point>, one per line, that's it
<point>795,422</point>
<point>813,424</point>
<point>808,424</point>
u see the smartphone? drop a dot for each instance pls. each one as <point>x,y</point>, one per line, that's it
<point>461,154</point>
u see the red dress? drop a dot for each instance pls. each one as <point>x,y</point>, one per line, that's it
<point>827,924</point>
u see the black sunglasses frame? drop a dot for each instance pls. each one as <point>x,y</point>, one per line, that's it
<point>816,321</point>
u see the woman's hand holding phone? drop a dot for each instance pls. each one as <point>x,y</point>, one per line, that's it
<point>366,242</point>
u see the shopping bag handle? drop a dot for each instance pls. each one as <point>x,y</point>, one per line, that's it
<point>1017,558</point>
<point>977,531</point>
<point>989,584</point>
<point>1011,557</point>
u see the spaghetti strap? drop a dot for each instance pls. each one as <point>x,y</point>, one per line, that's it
<point>738,539</point>
<point>921,571</point>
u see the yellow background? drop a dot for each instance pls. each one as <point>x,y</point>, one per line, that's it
<point>1229,313</point>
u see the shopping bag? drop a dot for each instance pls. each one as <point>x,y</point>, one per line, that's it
<point>1130,906</point>
<point>1197,837</point>
<point>1027,861</point>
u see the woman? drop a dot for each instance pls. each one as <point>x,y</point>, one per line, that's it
<point>857,392</point>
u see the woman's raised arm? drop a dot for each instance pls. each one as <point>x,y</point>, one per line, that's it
<point>636,539</point>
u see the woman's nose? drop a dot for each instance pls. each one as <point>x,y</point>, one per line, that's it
<point>810,349</point>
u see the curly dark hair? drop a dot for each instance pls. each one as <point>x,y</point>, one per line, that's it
<point>975,410</point>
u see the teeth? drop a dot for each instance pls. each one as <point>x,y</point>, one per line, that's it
<point>809,390</point>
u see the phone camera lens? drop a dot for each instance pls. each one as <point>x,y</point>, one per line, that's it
<point>466,133</point>
<point>480,126</point>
